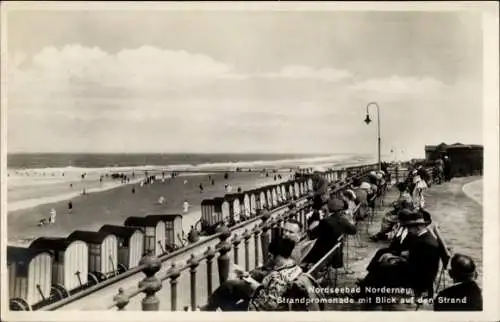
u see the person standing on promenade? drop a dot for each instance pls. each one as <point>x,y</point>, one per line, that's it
<point>420,186</point>
<point>439,169</point>
<point>447,169</point>
<point>464,294</point>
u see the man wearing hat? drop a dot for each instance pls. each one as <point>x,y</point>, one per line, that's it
<point>464,294</point>
<point>390,219</point>
<point>327,232</point>
<point>412,259</point>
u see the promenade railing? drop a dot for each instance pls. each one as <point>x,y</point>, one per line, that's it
<point>192,267</point>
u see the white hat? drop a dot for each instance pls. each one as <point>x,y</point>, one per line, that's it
<point>365,185</point>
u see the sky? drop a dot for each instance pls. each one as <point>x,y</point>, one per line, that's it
<point>242,81</point>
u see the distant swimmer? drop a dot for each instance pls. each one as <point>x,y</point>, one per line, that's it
<point>185,206</point>
<point>52,216</point>
<point>161,200</point>
<point>133,190</point>
<point>201,188</point>
<point>239,189</point>
<point>226,175</point>
<point>213,182</point>
<point>70,206</point>
<point>163,180</point>
<point>71,185</point>
<point>142,184</point>
<point>185,181</point>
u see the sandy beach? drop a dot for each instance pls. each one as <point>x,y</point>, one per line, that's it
<point>112,204</point>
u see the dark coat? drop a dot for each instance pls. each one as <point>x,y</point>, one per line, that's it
<point>418,272</point>
<point>468,290</point>
<point>423,262</point>
<point>327,233</point>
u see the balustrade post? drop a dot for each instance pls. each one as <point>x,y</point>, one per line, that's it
<point>292,209</point>
<point>264,239</point>
<point>174,273</point>
<point>193,263</point>
<point>224,246</point>
<point>256,232</point>
<point>150,284</point>
<point>210,254</point>
<point>121,299</point>
<point>236,242</point>
<point>279,226</point>
<point>246,237</point>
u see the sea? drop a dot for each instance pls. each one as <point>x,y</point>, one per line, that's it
<point>171,161</point>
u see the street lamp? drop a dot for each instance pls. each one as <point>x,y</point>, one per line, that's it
<point>367,121</point>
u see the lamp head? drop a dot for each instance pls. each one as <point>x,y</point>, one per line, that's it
<point>367,119</point>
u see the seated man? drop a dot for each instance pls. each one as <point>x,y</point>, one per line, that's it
<point>464,294</point>
<point>267,294</point>
<point>412,259</point>
<point>390,220</point>
<point>233,295</point>
<point>259,292</point>
<point>292,229</point>
<point>328,231</point>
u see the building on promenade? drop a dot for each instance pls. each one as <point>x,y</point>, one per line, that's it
<point>464,159</point>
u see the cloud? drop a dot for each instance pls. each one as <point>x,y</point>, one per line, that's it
<point>168,100</point>
<point>400,85</point>
<point>298,72</point>
<point>305,72</point>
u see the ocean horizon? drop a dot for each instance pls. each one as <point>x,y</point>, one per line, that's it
<point>118,160</point>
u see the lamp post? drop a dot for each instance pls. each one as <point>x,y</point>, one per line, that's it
<point>368,120</point>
